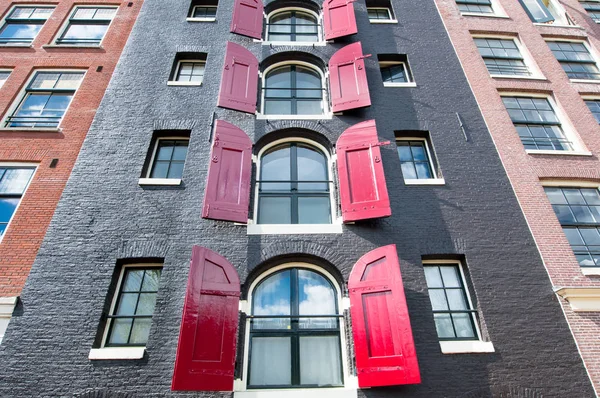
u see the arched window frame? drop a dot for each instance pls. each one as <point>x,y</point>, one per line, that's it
<point>343,303</point>
<point>264,229</point>
<point>319,16</point>
<point>324,77</point>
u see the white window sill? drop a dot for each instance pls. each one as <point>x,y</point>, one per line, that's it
<point>466,347</point>
<point>377,21</point>
<point>117,353</point>
<point>159,181</point>
<point>299,393</point>
<point>17,45</point>
<point>289,229</point>
<point>556,25</point>
<point>590,270</point>
<point>292,43</point>
<point>83,46</point>
<point>559,153</point>
<point>587,81</point>
<point>201,19</point>
<point>410,84</point>
<point>172,83</point>
<point>581,299</point>
<point>425,181</point>
<point>7,306</point>
<point>32,129</point>
<point>518,77</point>
<point>260,116</point>
<point>476,14</point>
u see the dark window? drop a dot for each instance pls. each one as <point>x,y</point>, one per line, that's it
<point>394,73</point>
<point>293,90</point>
<point>46,100</point>
<point>169,158</point>
<point>593,9</point>
<point>379,13</point>
<point>502,57</point>
<point>575,59</point>
<point>23,24</point>
<point>294,186</point>
<point>293,26</point>
<point>13,182</point>
<point>578,211</point>
<point>537,124</point>
<point>87,26</point>
<point>295,332</point>
<point>414,159</point>
<point>204,12</point>
<point>131,314</point>
<point>594,106</point>
<point>454,316</point>
<point>475,6</point>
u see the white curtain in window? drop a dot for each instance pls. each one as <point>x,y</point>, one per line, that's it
<point>270,363</point>
<point>320,360</point>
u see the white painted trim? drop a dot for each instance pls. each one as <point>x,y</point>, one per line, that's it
<point>567,153</point>
<point>581,299</point>
<point>30,129</point>
<point>7,306</point>
<point>293,43</point>
<point>260,116</point>
<point>320,35</point>
<point>410,84</point>
<point>176,83</point>
<point>299,393</point>
<point>5,70</point>
<point>411,181</point>
<point>389,12</point>
<point>586,81</point>
<point>466,347</point>
<point>116,353</point>
<point>202,19</point>
<point>574,184</point>
<point>66,23</point>
<point>183,83</point>
<point>425,181</point>
<point>290,229</point>
<point>383,21</point>
<point>590,270</point>
<point>211,19</point>
<point>159,181</point>
<point>151,164</point>
<point>29,5</point>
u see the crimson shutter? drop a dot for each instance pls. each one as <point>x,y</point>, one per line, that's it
<point>338,18</point>
<point>383,341</point>
<point>239,81</point>
<point>207,338</point>
<point>348,79</point>
<point>227,192</point>
<point>363,192</point>
<point>247,19</point>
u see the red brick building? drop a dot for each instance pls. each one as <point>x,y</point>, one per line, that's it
<point>56,59</point>
<point>533,66</point>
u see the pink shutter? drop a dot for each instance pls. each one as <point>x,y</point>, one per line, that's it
<point>247,19</point>
<point>348,79</point>
<point>338,18</point>
<point>239,81</point>
<point>383,341</point>
<point>227,193</point>
<point>363,191</point>
<point>207,339</point>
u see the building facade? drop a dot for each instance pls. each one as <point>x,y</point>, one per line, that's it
<point>289,200</point>
<point>518,56</point>
<point>56,59</point>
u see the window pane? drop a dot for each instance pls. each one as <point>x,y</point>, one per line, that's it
<point>423,170</point>
<point>451,276</point>
<point>120,331</point>
<point>312,166</point>
<point>456,299</point>
<point>19,33</point>
<point>7,208</point>
<point>433,277</point>
<point>14,181</point>
<point>307,78</point>
<point>175,170</point>
<point>463,325</point>
<point>443,325</point>
<point>276,166</point>
<point>438,300</point>
<point>84,34</point>
<point>309,107</point>
<point>146,304</point>
<point>151,280</point>
<point>314,210</point>
<point>133,280</point>
<point>272,297</point>
<point>270,361</point>
<point>140,331</point>
<point>160,169</point>
<point>320,360</point>
<point>315,296</point>
<point>165,150</point>
<point>127,304</point>
<point>278,107</point>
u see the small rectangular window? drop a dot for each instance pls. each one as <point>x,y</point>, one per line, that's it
<point>594,106</point>
<point>502,56</point>
<point>415,159</point>
<point>475,6</point>
<point>203,11</point>
<point>188,69</point>
<point>23,23</point>
<point>395,70</point>
<point>13,183</point>
<point>380,11</point>
<point>593,9</point>
<point>575,59</point>
<point>169,158</point>
<point>4,74</point>
<point>87,26</point>
<point>537,123</point>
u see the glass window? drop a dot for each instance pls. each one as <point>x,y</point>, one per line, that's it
<point>23,23</point>
<point>454,316</point>
<point>394,73</point>
<point>87,26</point>
<point>169,158</point>
<point>294,186</point>
<point>4,74</point>
<point>46,100</point>
<point>131,314</point>
<point>594,106</point>
<point>414,159</point>
<point>475,6</point>
<point>293,26</point>
<point>295,332</point>
<point>13,182</point>
<point>379,13</point>
<point>538,10</point>
<point>537,123</point>
<point>293,90</point>
<point>593,9</point>
<point>578,211</point>
<point>208,12</point>
<point>575,59</point>
<point>190,71</point>
<point>502,57</point>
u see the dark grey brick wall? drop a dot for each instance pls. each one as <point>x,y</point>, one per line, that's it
<point>105,215</point>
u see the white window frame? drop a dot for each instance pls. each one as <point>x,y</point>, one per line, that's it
<point>560,15</point>
<point>536,72</point>
<point>390,12</point>
<point>19,98</point>
<point>67,21</point>
<point>284,229</point>
<point>497,12</point>
<point>27,5</point>
<point>202,19</point>
<point>4,70</point>
<point>180,83</point>
<point>593,53</point>
<point>23,165</point>
<point>350,381</point>
<point>423,181</point>
<point>409,77</point>
<point>591,98</point>
<point>462,346</point>
<point>327,114</point>
<point>147,180</point>
<point>586,11</point>
<point>321,36</point>
<point>568,129</point>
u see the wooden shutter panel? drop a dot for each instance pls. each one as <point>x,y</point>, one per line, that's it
<point>338,18</point>
<point>247,19</point>
<point>383,341</point>
<point>537,11</point>
<point>239,81</point>
<point>207,339</point>
<point>227,193</point>
<point>348,79</point>
<point>363,192</point>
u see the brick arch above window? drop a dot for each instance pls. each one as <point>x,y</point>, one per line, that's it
<point>291,129</point>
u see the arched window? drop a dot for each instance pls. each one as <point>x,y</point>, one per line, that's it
<point>293,186</point>
<point>295,89</point>
<point>295,331</point>
<point>293,25</point>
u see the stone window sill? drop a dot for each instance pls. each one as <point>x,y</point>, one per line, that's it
<point>425,181</point>
<point>53,46</point>
<point>475,14</point>
<point>382,21</point>
<point>172,83</point>
<point>410,84</point>
<point>116,353</point>
<point>159,181</point>
<point>581,299</point>
<point>466,347</point>
<point>299,393</point>
<point>30,130</point>
<point>289,229</point>
<point>590,270</point>
<point>559,153</point>
<point>211,19</point>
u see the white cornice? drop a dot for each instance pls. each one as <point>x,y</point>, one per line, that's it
<point>581,298</point>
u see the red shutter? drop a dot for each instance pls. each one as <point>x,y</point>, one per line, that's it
<point>338,18</point>
<point>247,19</point>
<point>348,79</point>
<point>383,341</point>
<point>207,338</point>
<point>363,191</point>
<point>239,81</point>
<point>227,193</point>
